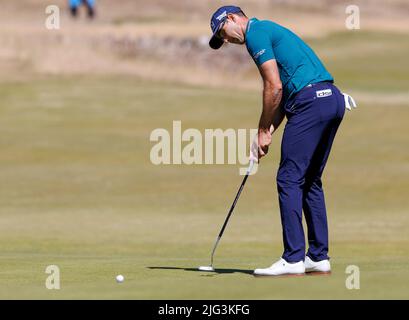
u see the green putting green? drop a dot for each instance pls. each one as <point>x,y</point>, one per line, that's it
<point>78,189</point>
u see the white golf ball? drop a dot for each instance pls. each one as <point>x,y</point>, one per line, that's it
<point>120,278</point>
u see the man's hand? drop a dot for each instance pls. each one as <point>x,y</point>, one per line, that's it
<point>254,150</point>
<point>264,141</point>
<point>260,144</point>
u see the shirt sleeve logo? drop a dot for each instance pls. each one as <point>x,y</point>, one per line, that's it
<point>258,54</point>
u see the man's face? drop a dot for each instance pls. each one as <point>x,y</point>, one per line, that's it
<point>231,31</point>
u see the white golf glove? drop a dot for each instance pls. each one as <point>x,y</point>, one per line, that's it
<point>349,102</point>
<point>254,147</point>
<point>254,150</point>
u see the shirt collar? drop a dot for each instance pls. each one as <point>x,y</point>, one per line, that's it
<point>252,20</point>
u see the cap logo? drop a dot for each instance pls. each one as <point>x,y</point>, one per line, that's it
<point>222,15</point>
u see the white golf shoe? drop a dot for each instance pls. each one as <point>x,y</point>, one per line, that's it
<point>282,268</point>
<point>320,267</point>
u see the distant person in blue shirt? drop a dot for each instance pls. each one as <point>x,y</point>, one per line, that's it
<point>75,4</point>
<point>297,85</point>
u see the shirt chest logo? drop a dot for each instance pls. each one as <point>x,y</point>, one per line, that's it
<point>323,93</point>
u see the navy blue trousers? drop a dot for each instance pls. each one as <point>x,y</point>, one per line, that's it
<point>314,116</point>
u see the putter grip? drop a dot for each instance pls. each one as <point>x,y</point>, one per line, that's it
<point>250,167</point>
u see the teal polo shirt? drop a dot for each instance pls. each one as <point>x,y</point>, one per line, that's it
<point>297,63</point>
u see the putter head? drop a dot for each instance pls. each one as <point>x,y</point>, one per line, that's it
<point>206,268</point>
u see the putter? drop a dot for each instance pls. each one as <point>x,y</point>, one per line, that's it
<point>210,267</point>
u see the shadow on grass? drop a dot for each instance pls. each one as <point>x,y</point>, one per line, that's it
<point>216,271</point>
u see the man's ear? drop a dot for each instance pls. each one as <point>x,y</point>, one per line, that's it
<point>231,17</point>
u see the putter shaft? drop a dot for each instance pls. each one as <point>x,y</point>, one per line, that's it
<point>231,210</point>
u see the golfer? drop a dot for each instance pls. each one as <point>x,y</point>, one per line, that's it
<point>75,4</point>
<point>296,85</point>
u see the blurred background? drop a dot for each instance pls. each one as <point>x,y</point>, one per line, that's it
<point>78,104</point>
<point>148,39</point>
